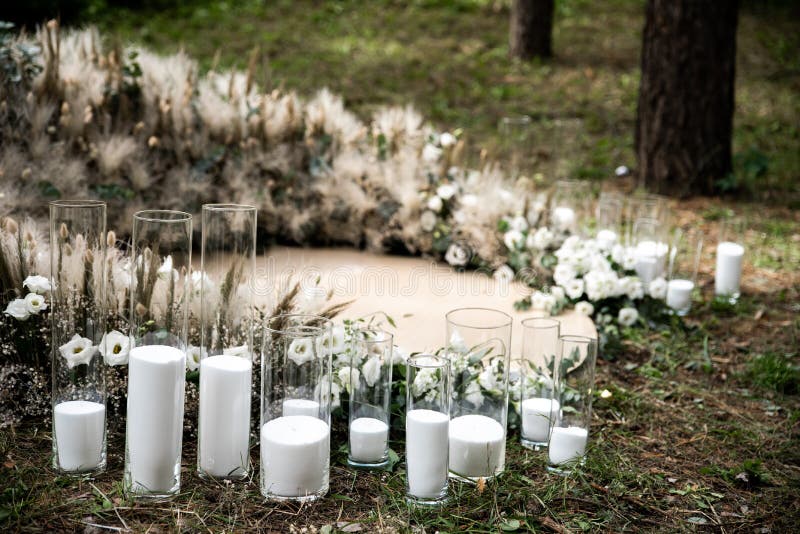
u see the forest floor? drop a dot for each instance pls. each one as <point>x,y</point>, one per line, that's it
<point>697,428</point>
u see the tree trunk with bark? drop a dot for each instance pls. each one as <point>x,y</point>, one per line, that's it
<point>686,98</point>
<point>531,33</point>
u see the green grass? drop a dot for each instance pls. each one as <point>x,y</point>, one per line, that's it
<point>450,59</point>
<point>776,372</point>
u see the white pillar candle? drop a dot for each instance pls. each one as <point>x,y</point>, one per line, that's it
<point>563,218</point>
<point>300,407</point>
<point>536,413</point>
<point>679,294</point>
<point>566,444</point>
<point>368,438</point>
<point>477,446</point>
<point>224,415</point>
<point>156,378</point>
<point>80,427</point>
<point>651,260</point>
<point>295,455</point>
<point>426,452</point>
<point>729,268</point>
<point>606,237</point>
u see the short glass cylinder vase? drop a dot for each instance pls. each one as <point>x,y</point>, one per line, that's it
<point>730,258</point>
<point>370,398</point>
<point>161,293</point>
<point>684,260</point>
<point>295,407</point>
<point>569,431</point>
<point>650,250</point>
<point>540,357</point>
<point>78,314</point>
<point>227,271</point>
<point>478,347</point>
<point>428,397</point>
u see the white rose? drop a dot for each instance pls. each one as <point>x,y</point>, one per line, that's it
<point>435,204</point>
<point>371,370</point>
<point>35,303</point>
<point>301,350</point>
<point>504,274</point>
<point>446,191</point>
<point>18,309</point>
<point>473,394</point>
<point>428,220</point>
<point>37,284</point>
<point>447,139</point>
<point>518,223</point>
<point>456,255</point>
<point>584,308</point>
<point>115,348</point>
<point>574,288</point>
<point>512,238</point>
<point>431,153</point>
<point>627,316</point>
<point>469,200</point>
<point>563,274</point>
<point>657,288</point>
<point>77,351</point>
<point>195,355</point>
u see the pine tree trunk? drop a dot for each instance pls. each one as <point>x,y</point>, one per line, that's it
<point>531,32</point>
<point>686,98</point>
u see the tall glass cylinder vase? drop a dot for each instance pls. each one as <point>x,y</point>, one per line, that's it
<point>295,407</point>
<point>227,270</point>
<point>684,260</point>
<point>647,206</point>
<point>730,256</point>
<point>370,398</point>
<point>78,313</point>
<point>161,251</point>
<point>428,397</point>
<point>608,219</point>
<point>478,346</point>
<point>515,135</point>
<point>569,431</point>
<point>540,356</point>
<point>569,206</point>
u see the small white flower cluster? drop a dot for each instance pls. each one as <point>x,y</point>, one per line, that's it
<point>33,303</point>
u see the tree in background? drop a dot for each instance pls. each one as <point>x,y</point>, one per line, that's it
<point>686,98</point>
<point>531,32</point>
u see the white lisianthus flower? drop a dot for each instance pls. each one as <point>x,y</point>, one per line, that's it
<point>563,274</point>
<point>538,300</point>
<point>629,259</point>
<point>37,284</point>
<point>469,200</point>
<point>35,303</point>
<point>504,274</point>
<point>512,238</point>
<point>166,270</point>
<point>599,263</point>
<point>447,139</point>
<point>558,293</point>
<point>627,316</point>
<point>195,354</point>
<point>584,308</point>
<point>399,356</point>
<point>371,370</point>
<point>335,344</point>
<point>488,379</point>
<point>518,223</point>
<point>240,351</point>
<point>425,380</point>
<point>431,153</point>
<point>657,288</point>
<point>435,204</point>
<point>631,287</point>
<point>18,309</point>
<point>540,239</point>
<point>457,343</point>
<point>428,220</point>
<point>473,394</point>
<point>446,191</point>
<point>301,350</point>
<point>456,255</point>
<point>78,350</point>
<point>618,254</point>
<point>600,285</point>
<point>548,303</point>
<point>115,348</point>
<point>346,374</point>
<point>574,288</point>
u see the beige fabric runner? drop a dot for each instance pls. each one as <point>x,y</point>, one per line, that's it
<point>415,292</point>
